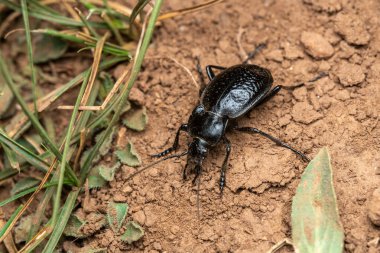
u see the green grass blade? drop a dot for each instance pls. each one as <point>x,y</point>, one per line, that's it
<point>61,222</point>
<point>90,41</point>
<point>23,152</point>
<point>39,214</point>
<point>8,79</point>
<point>28,191</point>
<point>137,9</point>
<point>66,149</point>
<point>53,17</point>
<point>25,16</point>
<point>125,92</point>
<point>9,222</point>
<point>7,173</point>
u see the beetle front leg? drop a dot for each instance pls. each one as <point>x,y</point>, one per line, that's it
<point>275,140</point>
<point>222,181</point>
<point>183,127</point>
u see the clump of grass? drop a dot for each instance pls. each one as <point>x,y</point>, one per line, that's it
<point>107,38</point>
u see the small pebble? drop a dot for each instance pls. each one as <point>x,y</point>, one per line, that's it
<point>139,217</point>
<point>374,207</point>
<point>118,197</point>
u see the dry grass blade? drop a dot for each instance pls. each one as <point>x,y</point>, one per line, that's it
<point>8,21</point>
<point>29,201</point>
<point>188,10</point>
<point>112,4</point>
<point>44,102</point>
<point>41,235</point>
<point>8,241</point>
<point>74,14</point>
<point>110,95</point>
<point>94,68</point>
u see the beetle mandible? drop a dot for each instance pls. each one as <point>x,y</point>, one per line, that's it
<point>229,95</point>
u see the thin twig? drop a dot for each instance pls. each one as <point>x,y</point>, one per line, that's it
<point>279,245</point>
<point>199,7</point>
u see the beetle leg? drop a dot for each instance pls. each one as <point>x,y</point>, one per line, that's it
<point>183,127</point>
<point>222,181</point>
<point>269,95</point>
<point>210,72</point>
<point>201,76</point>
<point>275,140</point>
<point>184,173</point>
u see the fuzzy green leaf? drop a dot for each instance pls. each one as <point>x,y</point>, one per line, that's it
<point>94,179</point>
<point>23,228</point>
<point>74,227</point>
<point>116,213</point>
<point>316,227</point>
<point>129,156</point>
<point>108,173</point>
<point>132,233</point>
<point>106,146</point>
<point>136,119</point>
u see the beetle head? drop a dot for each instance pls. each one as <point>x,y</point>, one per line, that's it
<point>197,151</point>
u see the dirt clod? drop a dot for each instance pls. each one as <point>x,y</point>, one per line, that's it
<point>304,113</point>
<point>374,207</point>
<point>352,28</point>
<point>350,74</point>
<point>316,45</point>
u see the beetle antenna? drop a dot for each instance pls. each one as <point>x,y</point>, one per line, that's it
<point>253,53</point>
<point>155,163</point>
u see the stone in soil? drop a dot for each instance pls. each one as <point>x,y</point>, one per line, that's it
<point>374,207</point>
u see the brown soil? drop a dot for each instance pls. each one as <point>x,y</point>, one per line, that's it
<point>340,111</point>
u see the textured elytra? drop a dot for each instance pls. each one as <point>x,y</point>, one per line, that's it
<point>236,90</point>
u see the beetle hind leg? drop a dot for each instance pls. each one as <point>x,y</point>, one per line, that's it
<point>222,181</point>
<point>275,140</point>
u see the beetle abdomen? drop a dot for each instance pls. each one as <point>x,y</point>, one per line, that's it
<point>236,90</point>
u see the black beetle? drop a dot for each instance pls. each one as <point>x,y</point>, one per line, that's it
<point>230,94</point>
